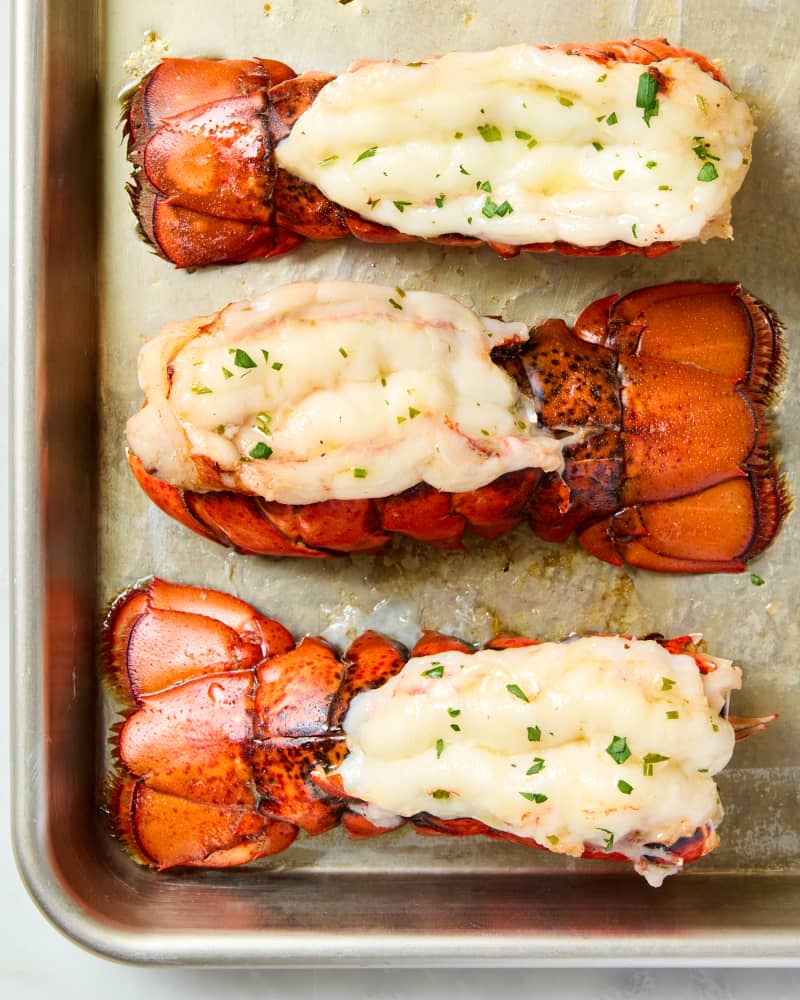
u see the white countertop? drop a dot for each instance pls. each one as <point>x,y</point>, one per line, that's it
<point>37,962</point>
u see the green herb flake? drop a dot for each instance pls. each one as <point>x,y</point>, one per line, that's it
<point>647,763</point>
<point>458,135</point>
<point>265,355</point>
<point>413,65</point>
<point>359,473</point>
<point>624,787</point>
<point>536,766</point>
<point>366,155</point>
<point>439,748</point>
<point>454,712</point>
<point>597,145</point>
<point>667,683</point>
<point>242,359</point>
<point>664,187</point>
<point>373,202</point>
<point>612,118</point>
<point>227,372</point>
<point>672,714</point>
<point>395,304</point>
<point>328,160</point>
<point>702,770</point>
<point>439,793</point>
<point>525,136</point>
<point>401,420</point>
<point>263,421</point>
<point>756,580</point>
<point>536,797</point>
<point>484,186</point>
<point>534,734</point>
<point>602,78</point>
<point>436,670</point>
<point>200,390</point>
<point>701,103</point>
<point>552,839</point>
<point>517,691</point>
<point>608,840</point>
<point>277,365</point>
<point>343,352</point>
<point>633,230</point>
<point>651,164</point>
<point>412,412</point>
<point>260,450</point>
<point>565,102</point>
<point>618,750</point>
<point>532,143</point>
<point>383,382</point>
<point>462,170</point>
<point>220,428</point>
<point>401,205</point>
<point>618,173</point>
<point>708,172</point>
<point>647,97</point>
<point>490,133</point>
<point>439,201</point>
<point>455,727</point>
<point>715,727</point>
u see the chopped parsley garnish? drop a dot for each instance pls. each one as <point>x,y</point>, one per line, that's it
<point>220,428</point>
<point>401,205</point>
<point>328,160</point>
<point>263,421</point>
<point>490,133</point>
<point>260,450</point>
<point>277,365</point>
<point>608,840</point>
<point>715,727</point>
<point>439,201</point>
<point>483,186</point>
<point>708,172</point>
<point>200,390</point>
<point>439,748</point>
<point>343,352</point>
<point>414,64</point>
<point>536,766</point>
<point>597,145</point>
<point>618,750</point>
<point>618,174</point>
<point>633,230</point>
<point>517,691</point>
<point>435,670</point>
<point>266,356</point>
<point>647,763</point>
<point>400,292</point>
<point>602,77</point>
<point>359,473</point>
<point>612,118</point>
<point>491,208</point>
<point>462,170</point>
<point>458,135</point>
<point>242,359</point>
<point>373,202</point>
<point>454,712</point>
<point>440,793</point>
<point>552,839</point>
<point>624,787</point>
<point>536,797</point>
<point>412,412</point>
<point>651,163</point>
<point>383,382</point>
<point>395,304</point>
<point>565,101</point>
<point>525,136</point>
<point>401,420</point>
<point>672,714</point>
<point>703,152</point>
<point>701,103</point>
<point>664,187</point>
<point>756,580</point>
<point>702,770</point>
<point>227,372</point>
<point>534,734</point>
<point>667,683</point>
<point>366,154</point>
<point>455,727</point>
<point>647,97</point>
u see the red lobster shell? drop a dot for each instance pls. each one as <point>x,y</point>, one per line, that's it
<point>232,727</point>
<point>206,188</point>
<point>676,476</point>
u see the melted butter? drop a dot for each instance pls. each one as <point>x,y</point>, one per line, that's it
<point>335,390</point>
<point>406,146</point>
<point>529,751</point>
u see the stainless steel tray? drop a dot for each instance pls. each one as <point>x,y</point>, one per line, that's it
<point>85,294</point>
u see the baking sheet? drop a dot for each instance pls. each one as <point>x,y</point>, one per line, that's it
<point>399,898</point>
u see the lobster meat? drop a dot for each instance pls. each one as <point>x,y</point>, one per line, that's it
<point>323,419</point>
<point>606,149</point>
<point>236,739</point>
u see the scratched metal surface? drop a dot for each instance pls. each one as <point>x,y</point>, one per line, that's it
<point>518,582</point>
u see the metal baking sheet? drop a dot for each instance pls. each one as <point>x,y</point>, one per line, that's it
<point>87,294</point>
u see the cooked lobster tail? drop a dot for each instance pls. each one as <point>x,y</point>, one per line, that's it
<point>233,732</point>
<point>665,392</point>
